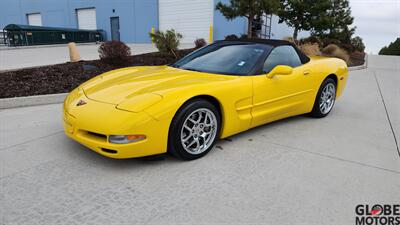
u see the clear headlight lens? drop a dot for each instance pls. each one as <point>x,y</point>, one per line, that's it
<point>124,139</point>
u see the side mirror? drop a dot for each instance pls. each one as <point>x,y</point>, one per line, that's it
<point>280,70</point>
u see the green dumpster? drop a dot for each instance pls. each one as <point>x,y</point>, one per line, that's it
<point>20,35</point>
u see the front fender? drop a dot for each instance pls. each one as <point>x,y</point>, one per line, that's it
<point>234,97</point>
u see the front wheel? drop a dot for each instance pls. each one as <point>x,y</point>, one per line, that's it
<point>194,130</point>
<point>325,99</point>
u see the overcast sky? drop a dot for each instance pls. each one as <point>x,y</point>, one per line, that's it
<point>377,21</point>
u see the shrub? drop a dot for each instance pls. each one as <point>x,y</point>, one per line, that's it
<point>114,53</point>
<point>325,41</point>
<point>289,39</point>
<point>200,43</point>
<point>167,42</point>
<point>358,54</point>
<point>231,37</point>
<point>245,36</point>
<point>310,49</point>
<point>358,44</point>
<point>330,49</point>
<point>328,41</point>
<point>333,50</point>
<point>348,47</point>
<point>310,40</point>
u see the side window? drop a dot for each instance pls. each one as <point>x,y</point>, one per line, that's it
<point>282,55</point>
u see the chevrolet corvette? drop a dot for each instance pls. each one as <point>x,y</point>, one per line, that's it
<point>214,92</point>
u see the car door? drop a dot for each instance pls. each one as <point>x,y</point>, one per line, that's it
<point>281,96</point>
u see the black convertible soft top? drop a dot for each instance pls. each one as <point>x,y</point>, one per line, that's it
<point>272,42</point>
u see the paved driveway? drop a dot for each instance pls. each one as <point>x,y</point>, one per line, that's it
<point>295,171</point>
<point>48,55</point>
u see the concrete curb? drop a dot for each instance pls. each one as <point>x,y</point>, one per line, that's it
<point>7,103</point>
<point>6,48</point>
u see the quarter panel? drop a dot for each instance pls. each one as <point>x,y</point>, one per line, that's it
<point>323,67</point>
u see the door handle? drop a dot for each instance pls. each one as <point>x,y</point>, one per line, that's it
<point>306,72</point>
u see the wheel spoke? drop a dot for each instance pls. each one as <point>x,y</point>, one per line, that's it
<point>191,143</point>
<point>187,137</point>
<point>199,131</point>
<point>327,98</point>
<point>199,118</point>
<point>208,132</point>
<point>192,120</point>
<point>187,127</point>
<point>198,146</point>
<point>323,95</point>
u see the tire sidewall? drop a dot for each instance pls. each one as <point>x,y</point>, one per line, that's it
<point>174,140</point>
<point>316,109</point>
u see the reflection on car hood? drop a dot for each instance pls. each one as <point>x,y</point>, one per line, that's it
<point>117,86</point>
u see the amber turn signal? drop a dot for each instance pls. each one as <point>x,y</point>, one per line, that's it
<point>124,139</point>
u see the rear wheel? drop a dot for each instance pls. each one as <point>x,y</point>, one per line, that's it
<point>325,99</point>
<point>194,130</point>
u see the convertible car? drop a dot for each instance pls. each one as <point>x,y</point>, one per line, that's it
<point>215,92</point>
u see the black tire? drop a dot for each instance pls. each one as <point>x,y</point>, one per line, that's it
<point>316,111</point>
<point>175,146</point>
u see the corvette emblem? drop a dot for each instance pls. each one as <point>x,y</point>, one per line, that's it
<point>81,102</point>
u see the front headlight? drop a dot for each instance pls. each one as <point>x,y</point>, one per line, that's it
<point>125,139</point>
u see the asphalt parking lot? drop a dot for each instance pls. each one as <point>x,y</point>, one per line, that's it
<point>295,171</point>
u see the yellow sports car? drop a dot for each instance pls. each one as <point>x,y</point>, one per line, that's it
<point>215,92</point>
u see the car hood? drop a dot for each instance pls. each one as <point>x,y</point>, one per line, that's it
<point>138,84</point>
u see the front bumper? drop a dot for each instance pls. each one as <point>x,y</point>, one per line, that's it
<point>92,123</point>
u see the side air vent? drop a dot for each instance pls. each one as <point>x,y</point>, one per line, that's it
<point>109,151</point>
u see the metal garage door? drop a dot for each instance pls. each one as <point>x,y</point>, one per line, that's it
<point>190,18</point>
<point>35,19</point>
<point>87,18</point>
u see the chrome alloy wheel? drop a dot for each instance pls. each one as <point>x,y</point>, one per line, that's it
<point>199,131</point>
<point>327,99</point>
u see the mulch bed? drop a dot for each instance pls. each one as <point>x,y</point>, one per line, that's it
<point>61,78</point>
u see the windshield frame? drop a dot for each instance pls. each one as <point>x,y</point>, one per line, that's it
<point>255,69</point>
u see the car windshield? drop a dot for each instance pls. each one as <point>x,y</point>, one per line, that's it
<point>226,58</point>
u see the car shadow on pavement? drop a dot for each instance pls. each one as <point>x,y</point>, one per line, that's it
<point>83,154</point>
<point>269,126</point>
<point>86,156</point>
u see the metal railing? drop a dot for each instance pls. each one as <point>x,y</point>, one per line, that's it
<point>3,38</point>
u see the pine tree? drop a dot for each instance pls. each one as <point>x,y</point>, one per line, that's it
<point>392,49</point>
<point>304,14</point>
<point>358,44</point>
<point>339,22</point>
<point>249,9</point>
